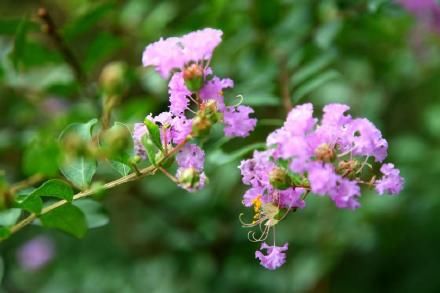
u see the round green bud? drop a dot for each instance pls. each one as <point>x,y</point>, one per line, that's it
<point>279,179</point>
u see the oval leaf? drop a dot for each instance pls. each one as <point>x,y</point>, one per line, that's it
<point>121,168</point>
<point>313,84</point>
<point>94,212</point>
<point>29,202</point>
<point>9,217</point>
<point>80,172</point>
<point>154,131</point>
<point>55,188</point>
<point>150,148</point>
<point>67,218</point>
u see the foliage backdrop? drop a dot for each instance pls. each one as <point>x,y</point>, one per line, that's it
<point>372,55</point>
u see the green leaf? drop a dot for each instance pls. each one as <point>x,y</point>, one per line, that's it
<point>154,131</point>
<point>55,188</point>
<point>29,202</point>
<point>79,171</point>
<point>68,218</point>
<point>20,42</point>
<point>375,5</point>
<point>87,20</point>
<point>10,26</point>
<point>94,212</point>
<point>312,68</point>
<point>262,99</point>
<point>121,168</point>
<point>41,156</point>
<point>219,157</point>
<point>102,47</point>
<point>151,149</point>
<point>9,217</point>
<point>313,84</point>
<point>4,233</point>
<point>83,130</point>
<point>326,34</point>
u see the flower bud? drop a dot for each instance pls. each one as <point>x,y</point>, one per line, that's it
<point>193,76</point>
<point>206,117</point>
<point>190,179</point>
<point>279,179</point>
<point>113,78</point>
<point>346,168</point>
<point>210,111</point>
<point>201,126</point>
<point>115,140</point>
<point>325,153</point>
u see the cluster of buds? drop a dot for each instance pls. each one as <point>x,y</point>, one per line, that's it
<point>329,159</point>
<point>196,102</point>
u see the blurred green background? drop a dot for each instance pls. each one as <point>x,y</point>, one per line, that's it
<point>373,55</point>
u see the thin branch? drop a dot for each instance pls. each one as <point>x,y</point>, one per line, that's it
<point>164,171</point>
<point>131,177</point>
<point>34,179</point>
<point>284,84</point>
<point>48,26</point>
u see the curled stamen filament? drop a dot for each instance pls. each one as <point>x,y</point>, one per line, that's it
<point>263,236</point>
<point>240,101</point>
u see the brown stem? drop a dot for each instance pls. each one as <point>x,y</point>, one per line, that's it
<point>164,171</point>
<point>48,26</point>
<point>26,183</point>
<point>130,177</point>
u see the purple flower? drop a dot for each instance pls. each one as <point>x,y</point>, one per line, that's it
<point>36,253</point>
<point>291,198</point>
<point>345,194</point>
<point>326,157</point>
<point>178,94</point>
<point>367,140</point>
<point>237,121</point>
<point>192,88</point>
<point>181,127</point>
<point>191,156</point>
<point>164,55</point>
<point>322,178</point>
<point>300,120</point>
<point>255,171</point>
<point>176,52</point>
<point>251,194</point>
<point>199,45</point>
<point>213,90</point>
<point>139,131</point>
<point>334,115</point>
<point>275,257</point>
<point>391,181</point>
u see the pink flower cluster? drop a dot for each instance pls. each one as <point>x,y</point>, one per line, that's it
<point>196,101</point>
<point>328,158</point>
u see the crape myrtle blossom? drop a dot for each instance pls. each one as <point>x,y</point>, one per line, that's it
<point>275,257</point>
<point>176,52</point>
<point>190,172</point>
<point>197,102</point>
<point>330,158</point>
